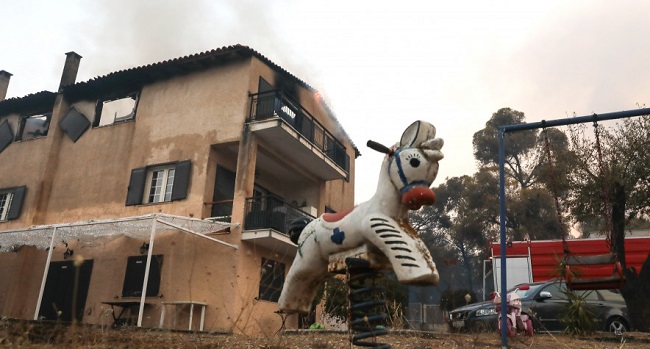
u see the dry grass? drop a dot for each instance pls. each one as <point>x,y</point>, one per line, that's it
<point>30,334</point>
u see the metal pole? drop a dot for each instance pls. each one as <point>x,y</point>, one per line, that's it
<point>576,120</point>
<point>146,271</point>
<point>197,234</point>
<point>502,229</point>
<point>45,272</point>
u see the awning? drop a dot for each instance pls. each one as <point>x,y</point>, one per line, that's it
<point>94,233</point>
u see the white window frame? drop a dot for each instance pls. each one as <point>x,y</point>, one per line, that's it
<point>159,184</point>
<point>5,203</point>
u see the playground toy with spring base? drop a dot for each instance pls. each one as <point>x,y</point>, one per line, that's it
<point>381,224</point>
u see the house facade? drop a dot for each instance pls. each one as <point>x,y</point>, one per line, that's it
<point>224,136</point>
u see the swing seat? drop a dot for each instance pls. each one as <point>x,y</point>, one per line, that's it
<point>615,281</point>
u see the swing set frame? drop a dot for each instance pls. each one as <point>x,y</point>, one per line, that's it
<point>502,130</point>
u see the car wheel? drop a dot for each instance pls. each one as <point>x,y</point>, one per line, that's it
<point>617,326</point>
<point>478,327</point>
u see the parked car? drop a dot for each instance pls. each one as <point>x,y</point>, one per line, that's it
<point>545,302</point>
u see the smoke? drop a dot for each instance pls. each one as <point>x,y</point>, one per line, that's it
<point>125,34</point>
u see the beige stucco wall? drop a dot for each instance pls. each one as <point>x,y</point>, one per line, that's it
<point>186,117</point>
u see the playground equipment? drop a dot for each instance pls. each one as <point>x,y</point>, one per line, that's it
<point>502,130</point>
<point>573,264</point>
<point>516,322</point>
<point>379,226</point>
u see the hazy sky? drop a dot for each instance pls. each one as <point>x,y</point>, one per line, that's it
<point>380,65</point>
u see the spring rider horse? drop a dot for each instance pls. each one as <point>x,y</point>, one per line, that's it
<point>380,224</point>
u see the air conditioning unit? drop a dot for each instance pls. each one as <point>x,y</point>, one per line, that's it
<point>310,210</point>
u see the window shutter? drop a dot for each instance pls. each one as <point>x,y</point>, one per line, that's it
<point>16,202</point>
<point>181,180</point>
<point>6,136</point>
<point>136,186</point>
<point>74,124</point>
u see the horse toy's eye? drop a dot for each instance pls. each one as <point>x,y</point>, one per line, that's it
<point>414,162</point>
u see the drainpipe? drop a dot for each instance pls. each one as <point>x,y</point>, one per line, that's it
<point>4,83</point>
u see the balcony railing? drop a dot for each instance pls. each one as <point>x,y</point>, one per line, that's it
<point>273,104</point>
<point>270,212</point>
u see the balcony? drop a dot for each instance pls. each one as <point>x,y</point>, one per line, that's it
<point>267,221</point>
<point>297,135</point>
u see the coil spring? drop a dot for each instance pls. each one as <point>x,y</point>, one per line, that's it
<point>364,297</point>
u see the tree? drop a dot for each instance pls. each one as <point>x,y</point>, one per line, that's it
<point>520,147</point>
<point>610,184</point>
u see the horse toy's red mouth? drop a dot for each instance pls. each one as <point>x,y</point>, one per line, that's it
<point>417,197</point>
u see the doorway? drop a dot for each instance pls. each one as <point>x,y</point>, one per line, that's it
<point>66,287</point>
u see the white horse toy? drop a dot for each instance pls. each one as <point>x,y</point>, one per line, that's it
<point>407,172</point>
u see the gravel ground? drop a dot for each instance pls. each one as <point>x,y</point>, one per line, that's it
<point>30,334</point>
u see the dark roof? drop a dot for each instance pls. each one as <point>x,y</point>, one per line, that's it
<point>134,78</point>
<point>35,102</point>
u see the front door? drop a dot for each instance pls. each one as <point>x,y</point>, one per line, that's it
<point>66,288</point>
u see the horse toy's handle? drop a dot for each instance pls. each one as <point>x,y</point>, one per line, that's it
<point>378,147</point>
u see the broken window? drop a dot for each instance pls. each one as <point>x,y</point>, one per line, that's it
<point>34,126</point>
<point>11,201</point>
<point>111,111</point>
<point>159,183</point>
<point>271,280</point>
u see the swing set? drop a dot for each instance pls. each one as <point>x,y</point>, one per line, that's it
<point>573,264</point>
<point>570,261</point>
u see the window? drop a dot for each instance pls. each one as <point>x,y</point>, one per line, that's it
<point>5,203</point>
<point>115,110</point>
<point>557,290</point>
<point>224,192</point>
<point>33,126</point>
<point>271,280</point>
<point>159,183</point>
<point>134,276</point>
<point>11,201</point>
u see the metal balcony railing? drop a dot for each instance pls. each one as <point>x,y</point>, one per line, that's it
<point>270,212</point>
<point>274,103</point>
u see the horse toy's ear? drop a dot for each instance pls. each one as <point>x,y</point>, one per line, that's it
<point>417,133</point>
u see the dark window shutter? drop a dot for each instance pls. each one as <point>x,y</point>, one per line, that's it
<point>16,202</point>
<point>6,136</point>
<point>136,186</point>
<point>134,276</point>
<point>74,124</point>
<point>181,180</point>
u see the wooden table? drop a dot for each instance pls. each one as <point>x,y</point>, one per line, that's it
<point>180,305</point>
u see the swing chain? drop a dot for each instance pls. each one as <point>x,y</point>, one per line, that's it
<point>554,189</point>
<point>606,210</point>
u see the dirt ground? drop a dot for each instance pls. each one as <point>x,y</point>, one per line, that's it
<point>30,334</point>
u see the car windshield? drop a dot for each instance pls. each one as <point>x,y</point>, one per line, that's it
<point>531,289</point>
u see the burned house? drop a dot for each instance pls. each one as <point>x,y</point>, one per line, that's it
<point>160,196</point>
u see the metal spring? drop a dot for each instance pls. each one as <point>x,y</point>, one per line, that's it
<point>363,299</point>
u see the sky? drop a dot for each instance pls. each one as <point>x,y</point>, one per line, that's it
<point>379,65</point>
